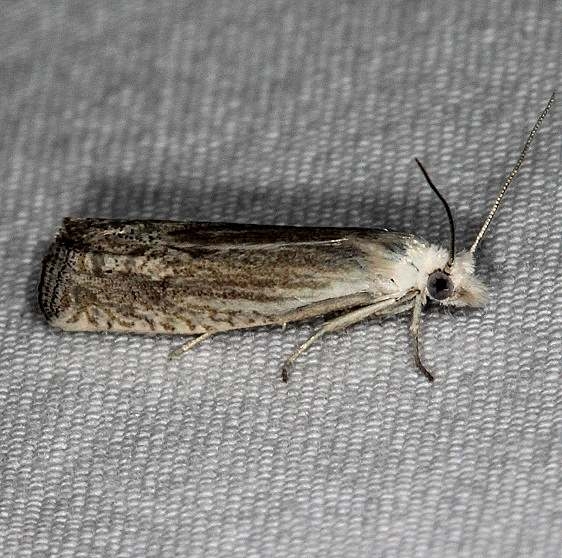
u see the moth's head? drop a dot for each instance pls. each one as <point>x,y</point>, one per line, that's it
<point>452,282</point>
<point>450,276</point>
<point>447,277</point>
<point>456,284</point>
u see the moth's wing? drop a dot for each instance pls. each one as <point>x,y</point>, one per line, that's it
<point>171,277</point>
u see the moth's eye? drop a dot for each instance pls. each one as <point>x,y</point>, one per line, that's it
<point>439,285</point>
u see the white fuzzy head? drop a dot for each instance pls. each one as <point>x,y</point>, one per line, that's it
<point>457,285</point>
<point>426,268</point>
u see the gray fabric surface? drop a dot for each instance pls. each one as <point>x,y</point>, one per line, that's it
<point>284,112</point>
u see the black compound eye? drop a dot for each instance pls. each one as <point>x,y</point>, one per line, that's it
<point>439,285</point>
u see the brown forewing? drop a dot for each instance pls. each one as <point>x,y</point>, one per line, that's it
<point>186,278</point>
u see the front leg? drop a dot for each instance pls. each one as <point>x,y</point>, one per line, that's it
<point>415,331</point>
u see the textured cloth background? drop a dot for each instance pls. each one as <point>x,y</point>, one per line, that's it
<point>288,112</point>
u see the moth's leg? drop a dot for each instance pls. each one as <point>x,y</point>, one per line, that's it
<point>393,310</point>
<point>415,331</point>
<point>383,307</point>
<point>326,306</point>
<point>187,346</point>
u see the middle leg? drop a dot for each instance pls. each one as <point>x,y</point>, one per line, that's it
<point>384,307</point>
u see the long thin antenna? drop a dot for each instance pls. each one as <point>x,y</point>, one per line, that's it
<point>512,174</point>
<point>449,214</point>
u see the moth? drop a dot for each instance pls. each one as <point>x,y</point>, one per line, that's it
<point>166,277</point>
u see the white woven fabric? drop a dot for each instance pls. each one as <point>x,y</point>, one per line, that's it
<point>288,112</point>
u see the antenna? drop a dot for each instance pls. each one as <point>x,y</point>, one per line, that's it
<point>449,215</point>
<point>512,174</point>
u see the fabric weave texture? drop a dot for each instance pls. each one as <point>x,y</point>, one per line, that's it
<point>302,113</point>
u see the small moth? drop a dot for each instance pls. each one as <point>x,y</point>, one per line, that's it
<point>145,276</point>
